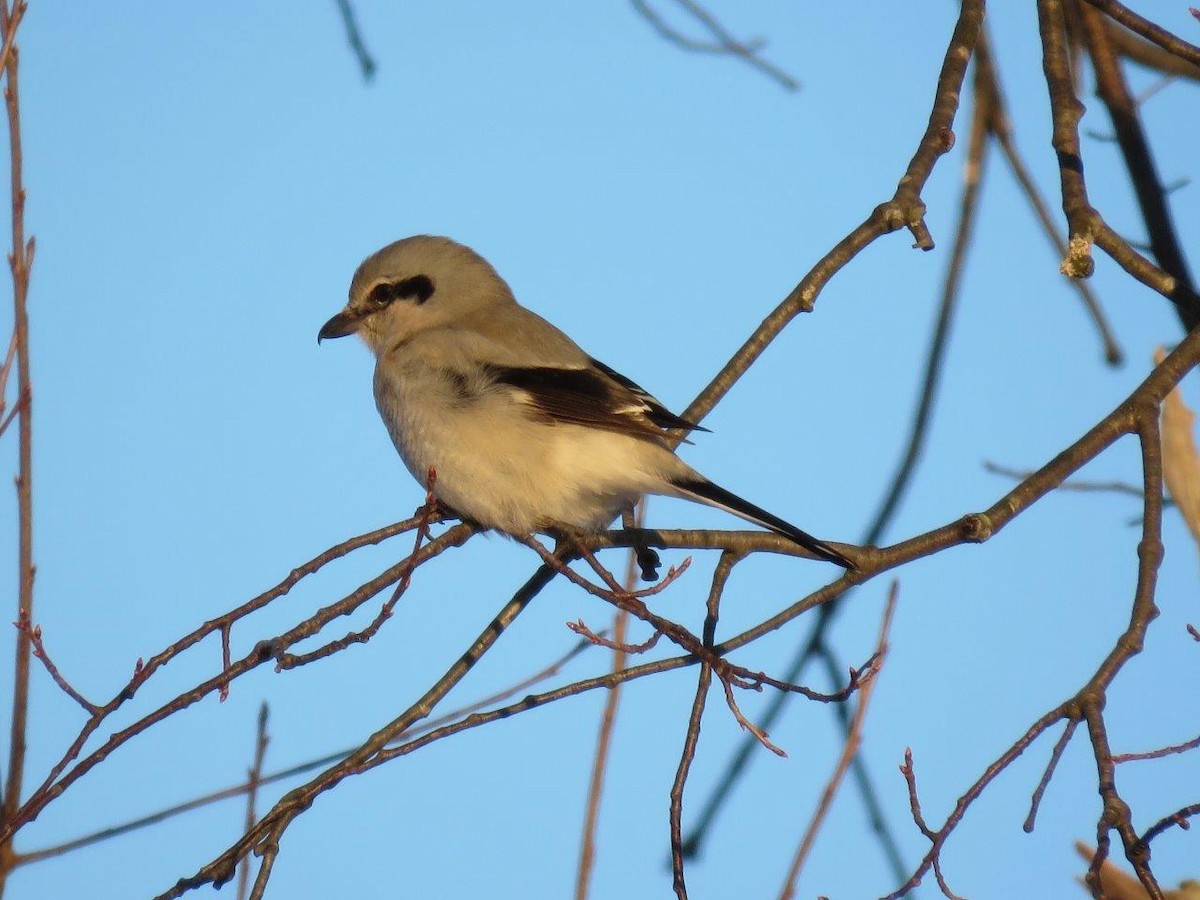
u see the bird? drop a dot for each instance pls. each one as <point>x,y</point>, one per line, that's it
<point>524,431</point>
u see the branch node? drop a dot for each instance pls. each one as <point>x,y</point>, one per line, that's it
<point>1078,263</point>
<point>975,527</point>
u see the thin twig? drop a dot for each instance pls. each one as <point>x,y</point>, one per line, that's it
<point>1160,753</point>
<point>366,62</point>
<point>850,749</point>
<point>625,648</point>
<point>1115,814</point>
<point>905,209</point>
<point>692,736</point>
<point>254,779</point>
<point>988,82</point>
<point>1132,415</point>
<point>20,259</point>
<point>1071,484</point>
<point>1060,747</point>
<point>1139,161</point>
<point>1085,224</point>
<point>724,44</point>
<point>22,402</point>
<point>608,719</point>
<point>61,777</point>
<point>1179,818</point>
<point>264,837</point>
<point>1143,52</point>
<point>239,790</point>
<point>34,633</point>
<point>1147,29</point>
<point>933,143</point>
<point>1137,413</point>
<point>424,516</point>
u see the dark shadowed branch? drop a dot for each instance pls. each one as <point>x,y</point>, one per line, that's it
<point>720,41</point>
<point>366,62</point>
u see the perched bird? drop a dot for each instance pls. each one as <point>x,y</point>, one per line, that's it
<point>524,430</point>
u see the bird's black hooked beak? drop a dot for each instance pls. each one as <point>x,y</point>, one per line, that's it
<point>344,323</point>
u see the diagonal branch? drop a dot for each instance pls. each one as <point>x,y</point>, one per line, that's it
<point>723,43</point>
<point>1147,29</point>
<point>904,209</point>
<point>20,260</point>
<point>366,62</point>
<point>1135,149</point>
<point>264,837</point>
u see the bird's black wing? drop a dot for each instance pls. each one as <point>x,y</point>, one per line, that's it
<point>654,410</point>
<point>594,396</point>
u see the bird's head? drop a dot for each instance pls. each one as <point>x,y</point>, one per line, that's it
<point>413,285</point>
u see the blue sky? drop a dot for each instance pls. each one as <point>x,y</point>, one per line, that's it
<point>202,183</point>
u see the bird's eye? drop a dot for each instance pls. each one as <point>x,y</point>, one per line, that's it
<point>419,288</point>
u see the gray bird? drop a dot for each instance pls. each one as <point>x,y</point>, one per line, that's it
<point>525,431</point>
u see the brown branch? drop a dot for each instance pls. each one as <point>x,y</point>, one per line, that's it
<point>742,542</point>
<point>1158,754</point>
<point>1135,149</point>
<point>1178,818</point>
<point>1000,127</point>
<point>938,838</point>
<point>951,288</point>
<point>728,674</point>
<point>972,528</point>
<point>34,634</point>
<point>1087,487</point>
<point>904,209</point>
<point>608,718</point>
<point>1085,224</point>
<point>22,402</point>
<point>9,358</point>
<point>1136,413</point>
<point>691,737</point>
<point>1147,29</point>
<point>624,648</point>
<point>264,837</point>
<point>1116,814</point>
<point>243,788</point>
<point>1066,111</point>
<point>226,656</point>
<point>60,778</point>
<point>850,750</point>
<point>941,117</point>
<point>254,779</point>
<point>1143,52</point>
<point>20,260</point>
<point>424,517</point>
<point>1060,747</point>
<point>724,43</point>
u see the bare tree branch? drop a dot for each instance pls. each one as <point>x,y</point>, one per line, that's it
<point>1147,29</point>
<point>366,62</point>
<point>849,751</point>
<point>723,42</point>
<point>254,779</point>
<point>608,718</point>
<point>20,260</point>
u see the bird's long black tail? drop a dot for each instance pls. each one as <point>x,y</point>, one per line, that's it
<point>714,495</point>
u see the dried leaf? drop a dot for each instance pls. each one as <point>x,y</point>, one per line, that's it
<point>1119,886</point>
<point>1181,462</point>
